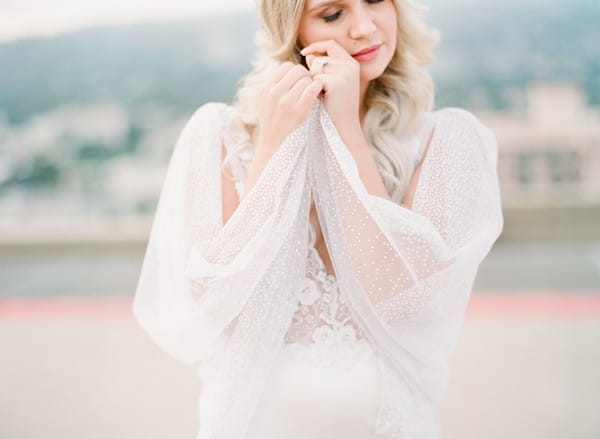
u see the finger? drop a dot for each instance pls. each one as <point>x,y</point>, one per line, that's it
<point>289,79</point>
<point>310,59</point>
<point>317,63</point>
<point>318,67</point>
<point>275,76</point>
<point>297,89</point>
<point>280,72</point>
<point>327,47</point>
<point>324,79</point>
<point>310,93</point>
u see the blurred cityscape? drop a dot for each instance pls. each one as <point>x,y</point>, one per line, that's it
<point>86,131</point>
<point>550,156</point>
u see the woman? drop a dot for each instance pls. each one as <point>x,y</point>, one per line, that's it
<point>315,244</point>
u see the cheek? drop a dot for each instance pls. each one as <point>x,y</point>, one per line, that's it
<point>391,34</point>
<point>311,30</point>
<point>301,39</point>
<point>390,22</point>
<point>304,32</point>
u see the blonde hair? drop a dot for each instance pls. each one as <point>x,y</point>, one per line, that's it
<point>395,100</point>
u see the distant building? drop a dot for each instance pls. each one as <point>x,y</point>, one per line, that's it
<point>551,155</point>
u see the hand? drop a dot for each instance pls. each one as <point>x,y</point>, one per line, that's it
<point>341,77</point>
<point>284,104</point>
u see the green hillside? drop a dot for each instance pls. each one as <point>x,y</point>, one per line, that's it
<point>489,52</point>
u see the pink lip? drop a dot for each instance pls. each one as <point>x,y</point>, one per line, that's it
<point>368,54</point>
<point>367,50</point>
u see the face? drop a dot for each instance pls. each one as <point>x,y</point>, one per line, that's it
<point>355,25</point>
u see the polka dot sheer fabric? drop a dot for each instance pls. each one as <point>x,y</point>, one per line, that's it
<point>227,297</point>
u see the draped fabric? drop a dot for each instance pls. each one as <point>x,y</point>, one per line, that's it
<point>223,296</point>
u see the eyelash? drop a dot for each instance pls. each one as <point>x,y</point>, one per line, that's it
<point>335,16</point>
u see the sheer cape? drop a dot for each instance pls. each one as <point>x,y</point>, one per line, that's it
<point>222,297</point>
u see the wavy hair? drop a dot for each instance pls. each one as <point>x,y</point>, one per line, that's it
<point>395,100</point>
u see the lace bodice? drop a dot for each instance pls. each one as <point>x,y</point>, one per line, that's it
<point>322,330</point>
<point>322,320</point>
<point>322,316</point>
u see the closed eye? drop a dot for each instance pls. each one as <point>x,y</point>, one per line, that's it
<point>335,16</point>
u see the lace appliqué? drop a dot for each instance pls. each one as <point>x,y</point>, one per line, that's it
<point>322,330</point>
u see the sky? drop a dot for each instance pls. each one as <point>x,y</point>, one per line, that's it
<point>27,18</point>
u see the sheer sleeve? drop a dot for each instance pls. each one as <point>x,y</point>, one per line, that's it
<point>407,272</point>
<point>203,283</point>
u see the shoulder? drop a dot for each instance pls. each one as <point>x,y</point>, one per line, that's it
<point>462,128</point>
<point>210,114</point>
<point>199,139</point>
<point>206,124</point>
<point>460,122</point>
<point>218,120</point>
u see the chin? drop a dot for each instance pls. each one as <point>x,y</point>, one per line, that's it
<point>372,72</point>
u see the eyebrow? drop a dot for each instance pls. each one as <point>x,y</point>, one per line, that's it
<point>323,4</point>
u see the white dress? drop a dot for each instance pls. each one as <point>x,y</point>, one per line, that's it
<point>325,380</point>
<point>327,386</point>
<point>283,350</point>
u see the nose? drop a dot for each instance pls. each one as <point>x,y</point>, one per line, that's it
<point>362,24</point>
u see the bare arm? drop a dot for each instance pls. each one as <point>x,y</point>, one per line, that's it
<point>259,161</point>
<point>412,185</point>
<point>368,171</point>
<point>229,195</point>
<point>231,201</point>
<point>284,104</point>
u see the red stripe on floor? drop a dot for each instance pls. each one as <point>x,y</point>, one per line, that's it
<point>526,304</point>
<point>66,308</point>
<point>558,304</point>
